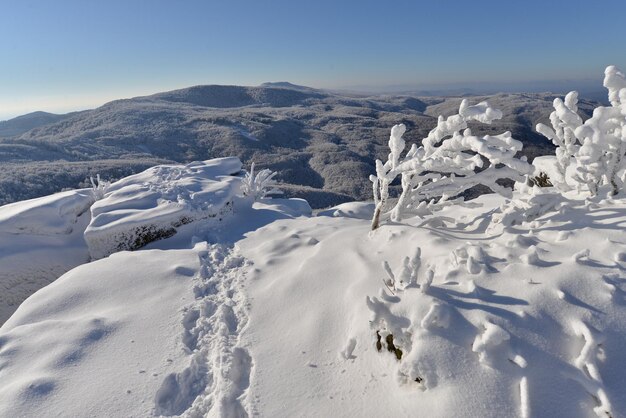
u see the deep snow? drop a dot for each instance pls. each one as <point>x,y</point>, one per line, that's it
<point>40,239</point>
<point>513,324</point>
<point>274,312</point>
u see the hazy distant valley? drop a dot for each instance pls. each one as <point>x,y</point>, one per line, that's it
<point>322,144</point>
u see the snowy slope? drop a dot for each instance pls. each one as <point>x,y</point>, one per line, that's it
<point>274,312</point>
<point>97,341</point>
<point>40,239</point>
<point>528,321</point>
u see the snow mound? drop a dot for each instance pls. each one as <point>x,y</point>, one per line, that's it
<point>358,210</point>
<point>107,330</point>
<point>40,239</point>
<point>54,214</point>
<point>151,205</point>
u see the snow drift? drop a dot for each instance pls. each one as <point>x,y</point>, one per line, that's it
<point>40,239</point>
<point>151,205</point>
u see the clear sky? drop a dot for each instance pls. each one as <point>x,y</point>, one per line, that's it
<point>70,54</point>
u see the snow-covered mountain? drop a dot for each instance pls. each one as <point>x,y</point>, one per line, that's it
<point>25,123</point>
<point>244,307</point>
<point>185,290</point>
<point>322,143</point>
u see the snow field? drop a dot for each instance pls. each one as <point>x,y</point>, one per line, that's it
<point>282,314</point>
<point>99,340</point>
<point>511,325</point>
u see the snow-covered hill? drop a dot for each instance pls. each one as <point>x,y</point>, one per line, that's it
<point>207,299</point>
<point>25,123</point>
<point>271,311</point>
<point>322,144</point>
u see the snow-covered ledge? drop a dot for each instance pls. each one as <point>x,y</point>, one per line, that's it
<point>151,205</point>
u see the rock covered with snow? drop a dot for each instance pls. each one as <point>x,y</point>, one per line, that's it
<point>54,214</point>
<point>40,239</point>
<point>151,205</point>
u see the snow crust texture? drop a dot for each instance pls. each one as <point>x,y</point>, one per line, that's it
<point>151,205</point>
<point>501,321</point>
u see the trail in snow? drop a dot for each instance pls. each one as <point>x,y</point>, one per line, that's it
<point>216,380</point>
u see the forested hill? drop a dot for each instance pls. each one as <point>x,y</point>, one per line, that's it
<point>322,144</point>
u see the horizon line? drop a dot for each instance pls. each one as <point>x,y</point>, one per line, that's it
<point>62,105</point>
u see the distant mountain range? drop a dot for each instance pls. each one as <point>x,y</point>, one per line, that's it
<point>323,144</point>
<point>25,123</point>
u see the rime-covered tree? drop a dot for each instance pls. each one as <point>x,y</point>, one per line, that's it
<point>564,120</point>
<point>449,161</point>
<point>597,146</point>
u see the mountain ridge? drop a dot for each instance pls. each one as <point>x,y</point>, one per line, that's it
<point>322,144</point>
<point>23,123</point>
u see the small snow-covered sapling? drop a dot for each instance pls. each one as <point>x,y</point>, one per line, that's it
<point>98,187</point>
<point>259,185</point>
<point>407,274</point>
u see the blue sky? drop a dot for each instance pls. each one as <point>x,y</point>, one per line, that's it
<point>65,55</point>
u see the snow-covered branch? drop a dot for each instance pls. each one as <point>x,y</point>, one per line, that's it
<point>450,161</point>
<point>564,120</point>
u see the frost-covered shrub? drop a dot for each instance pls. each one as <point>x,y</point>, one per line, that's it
<point>259,185</point>
<point>596,147</point>
<point>565,120</point>
<point>98,187</point>
<point>446,165</point>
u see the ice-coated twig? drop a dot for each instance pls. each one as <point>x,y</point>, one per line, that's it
<point>524,399</point>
